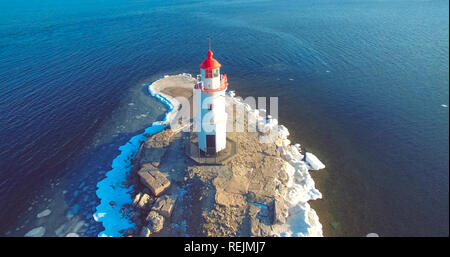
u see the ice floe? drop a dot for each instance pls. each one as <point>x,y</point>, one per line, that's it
<point>36,232</point>
<point>314,162</point>
<point>44,213</point>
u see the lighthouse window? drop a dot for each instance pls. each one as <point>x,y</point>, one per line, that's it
<point>208,73</point>
<point>216,73</point>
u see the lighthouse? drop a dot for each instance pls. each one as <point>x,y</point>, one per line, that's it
<point>209,106</point>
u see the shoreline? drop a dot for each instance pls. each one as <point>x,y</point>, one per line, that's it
<point>112,190</point>
<point>297,195</point>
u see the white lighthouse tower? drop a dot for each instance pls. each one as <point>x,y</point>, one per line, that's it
<point>209,106</point>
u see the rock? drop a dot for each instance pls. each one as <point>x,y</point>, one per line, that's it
<point>164,205</point>
<point>269,149</point>
<point>235,184</point>
<point>145,202</point>
<point>280,211</point>
<point>259,229</point>
<point>153,150</point>
<point>229,199</point>
<point>44,213</point>
<point>271,166</point>
<point>253,210</point>
<point>160,140</point>
<point>146,191</point>
<point>136,199</point>
<point>155,221</point>
<point>145,232</point>
<point>265,230</point>
<point>154,180</point>
<point>255,185</point>
<point>283,177</point>
<point>135,216</point>
<point>36,232</point>
<point>72,235</point>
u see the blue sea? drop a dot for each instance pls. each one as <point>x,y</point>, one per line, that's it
<point>364,84</point>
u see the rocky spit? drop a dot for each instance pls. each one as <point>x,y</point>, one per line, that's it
<point>263,190</point>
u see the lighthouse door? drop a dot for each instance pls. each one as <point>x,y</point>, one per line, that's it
<point>210,143</point>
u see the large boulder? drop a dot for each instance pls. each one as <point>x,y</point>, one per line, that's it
<point>154,180</point>
<point>136,199</point>
<point>164,205</point>
<point>145,202</point>
<point>280,211</point>
<point>155,221</point>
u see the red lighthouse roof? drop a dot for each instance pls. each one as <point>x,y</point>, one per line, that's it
<point>210,63</point>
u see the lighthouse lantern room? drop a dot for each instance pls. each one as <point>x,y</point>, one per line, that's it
<point>209,106</point>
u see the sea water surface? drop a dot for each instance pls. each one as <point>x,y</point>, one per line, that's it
<point>361,83</point>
